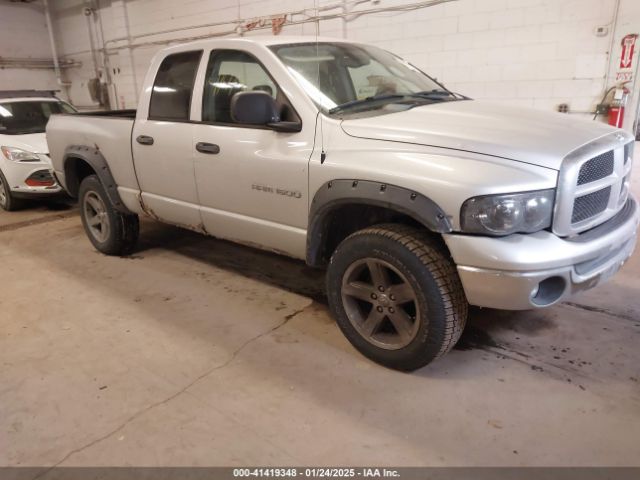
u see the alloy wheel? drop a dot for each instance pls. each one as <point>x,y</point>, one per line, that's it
<point>380,303</point>
<point>96,217</point>
<point>3,194</point>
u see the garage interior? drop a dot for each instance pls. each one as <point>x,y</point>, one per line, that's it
<point>195,351</point>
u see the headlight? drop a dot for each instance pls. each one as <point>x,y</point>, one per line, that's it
<point>506,214</point>
<point>19,155</point>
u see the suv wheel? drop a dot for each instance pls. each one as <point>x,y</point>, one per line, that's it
<point>110,231</point>
<point>7,201</point>
<point>396,296</point>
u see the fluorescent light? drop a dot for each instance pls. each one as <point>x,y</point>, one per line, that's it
<point>164,89</point>
<point>227,85</point>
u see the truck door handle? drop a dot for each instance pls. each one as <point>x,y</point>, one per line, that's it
<point>144,140</point>
<point>209,148</point>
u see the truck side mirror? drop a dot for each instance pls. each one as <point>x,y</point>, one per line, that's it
<point>259,108</point>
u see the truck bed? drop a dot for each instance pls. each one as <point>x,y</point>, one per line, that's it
<point>108,132</point>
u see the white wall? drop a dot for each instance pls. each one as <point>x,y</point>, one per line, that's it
<point>23,34</point>
<point>533,53</point>
<point>536,53</point>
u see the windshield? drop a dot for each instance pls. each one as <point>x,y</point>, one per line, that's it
<point>342,74</point>
<point>29,116</point>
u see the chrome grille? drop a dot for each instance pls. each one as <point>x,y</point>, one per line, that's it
<point>624,191</point>
<point>628,152</point>
<point>590,205</point>
<point>593,184</point>
<point>596,168</point>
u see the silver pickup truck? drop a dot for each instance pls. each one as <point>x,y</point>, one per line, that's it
<point>418,201</point>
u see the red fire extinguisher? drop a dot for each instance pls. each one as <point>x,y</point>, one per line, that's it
<point>616,109</point>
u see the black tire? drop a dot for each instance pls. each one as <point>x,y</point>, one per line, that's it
<point>7,201</point>
<point>432,321</point>
<point>120,232</point>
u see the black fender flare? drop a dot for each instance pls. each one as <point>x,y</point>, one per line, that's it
<point>94,158</point>
<point>336,193</point>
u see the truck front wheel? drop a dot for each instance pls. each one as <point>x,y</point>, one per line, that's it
<point>396,296</point>
<point>110,231</point>
<point>7,201</point>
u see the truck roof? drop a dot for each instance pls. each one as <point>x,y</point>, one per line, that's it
<point>266,40</point>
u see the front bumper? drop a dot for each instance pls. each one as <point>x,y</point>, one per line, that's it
<point>41,194</point>
<point>522,272</point>
<point>25,191</point>
<point>27,180</point>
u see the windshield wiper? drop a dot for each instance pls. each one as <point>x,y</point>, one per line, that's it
<point>365,101</point>
<point>434,94</point>
<point>441,94</point>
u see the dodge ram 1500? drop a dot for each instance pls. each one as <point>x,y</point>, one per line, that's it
<point>418,201</point>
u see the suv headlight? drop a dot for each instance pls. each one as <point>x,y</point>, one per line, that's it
<point>19,155</point>
<point>506,214</point>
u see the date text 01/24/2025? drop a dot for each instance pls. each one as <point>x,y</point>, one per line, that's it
<point>316,472</point>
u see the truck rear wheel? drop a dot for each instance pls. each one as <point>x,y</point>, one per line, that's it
<point>110,231</point>
<point>396,296</point>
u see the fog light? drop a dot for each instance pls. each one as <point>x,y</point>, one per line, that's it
<point>535,291</point>
<point>549,291</point>
<point>41,178</point>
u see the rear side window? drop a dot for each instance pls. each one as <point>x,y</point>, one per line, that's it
<point>171,95</point>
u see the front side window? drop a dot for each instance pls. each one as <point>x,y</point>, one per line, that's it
<point>171,95</point>
<point>339,74</point>
<point>29,116</point>
<point>230,72</point>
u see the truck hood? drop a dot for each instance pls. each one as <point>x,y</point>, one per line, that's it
<point>32,142</point>
<point>521,134</point>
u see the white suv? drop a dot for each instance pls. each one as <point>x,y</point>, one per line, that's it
<point>25,167</point>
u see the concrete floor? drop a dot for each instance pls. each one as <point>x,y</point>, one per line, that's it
<point>195,351</point>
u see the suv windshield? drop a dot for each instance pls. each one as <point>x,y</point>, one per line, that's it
<point>343,76</point>
<point>29,116</point>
